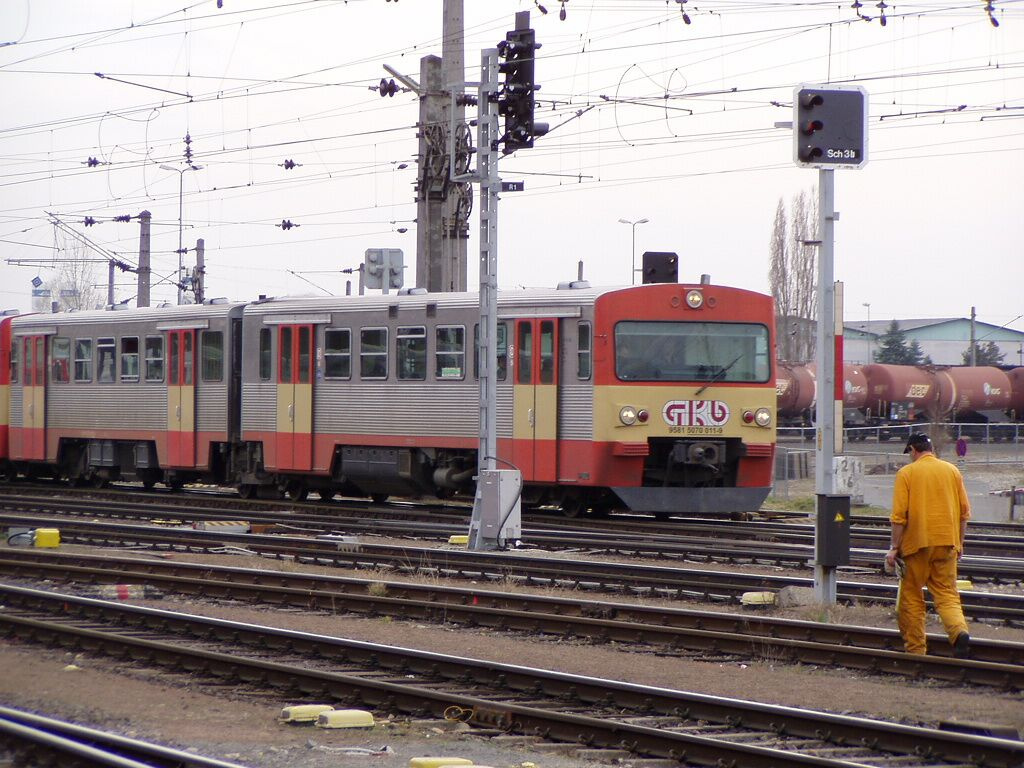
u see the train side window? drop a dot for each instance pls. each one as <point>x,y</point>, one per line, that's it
<point>129,358</point>
<point>337,353</point>
<point>105,353</point>
<point>584,355</point>
<point>83,360</point>
<point>547,352</point>
<point>14,362</point>
<point>154,358</point>
<point>60,360</point>
<point>524,354</point>
<point>373,353</point>
<point>265,355</point>
<point>450,352</point>
<point>305,353</point>
<point>502,351</point>
<point>285,350</point>
<point>211,354</point>
<point>411,348</point>
<point>187,357</point>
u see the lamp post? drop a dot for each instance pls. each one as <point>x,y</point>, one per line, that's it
<point>181,251</point>
<point>632,252</point>
<point>868,305</point>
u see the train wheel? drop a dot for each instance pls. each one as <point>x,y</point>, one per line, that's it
<point>296,491</point>
<point>98,481</point>
<point>326,494</point>
<point>248,490</point>
<point>379,498</point>
<point>573,507</point>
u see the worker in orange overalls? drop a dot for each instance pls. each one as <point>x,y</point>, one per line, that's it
<point>929,522</point>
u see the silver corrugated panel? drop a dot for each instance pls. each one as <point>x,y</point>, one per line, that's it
<point>212,407</point>
<point>97,406</point>
<point>259,407</point>
<point>15,407</point>
<point>405,408</point>
<point>504,419</point>
<point>576,411</point>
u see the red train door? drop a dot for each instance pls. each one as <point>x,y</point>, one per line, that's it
<point>295,397</point>
<point>33,397</point>
<point>535,405</point>
<point>181,398</point>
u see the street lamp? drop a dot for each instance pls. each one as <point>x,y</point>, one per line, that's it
<point>868,305</point>
<point>181,251</point>
<point>633,224</point>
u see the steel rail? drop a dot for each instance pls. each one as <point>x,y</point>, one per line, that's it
<point>794,549</point>
<point>47,741</point>
<point>994,663</point>
<point>502,695</point>
<point>584,574</point>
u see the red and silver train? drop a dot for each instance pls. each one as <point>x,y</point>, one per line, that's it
<point>656,398</point>
<point>884,396</point>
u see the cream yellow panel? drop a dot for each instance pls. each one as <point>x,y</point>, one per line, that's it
<point>303,415</point>
<point>523,412</point>
<point>188,409</point>
<point>285,407</point>
<point>546,406</point>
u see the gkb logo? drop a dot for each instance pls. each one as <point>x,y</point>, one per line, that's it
<point>695,413</point>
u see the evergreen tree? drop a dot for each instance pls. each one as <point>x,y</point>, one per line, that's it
<point>915,355</point>
<point>893,348</point>
<point>984,354</point>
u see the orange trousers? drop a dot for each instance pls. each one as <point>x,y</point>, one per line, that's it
<point>935,568</point>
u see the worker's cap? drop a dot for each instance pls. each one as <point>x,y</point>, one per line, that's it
<point>919,441</point>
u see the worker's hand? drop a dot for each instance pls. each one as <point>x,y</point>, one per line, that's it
<point>890,559</point>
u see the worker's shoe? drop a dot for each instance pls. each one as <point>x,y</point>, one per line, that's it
<point>962,646</point>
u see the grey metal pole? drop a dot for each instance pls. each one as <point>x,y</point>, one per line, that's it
<point>145,271</point>
<point>110,282</point>
<point>200,282</point>
<point>181,252</point>
<point>453,242</point>
<point>825,576</point>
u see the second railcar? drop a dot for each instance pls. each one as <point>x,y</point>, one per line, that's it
<point>659,397</point>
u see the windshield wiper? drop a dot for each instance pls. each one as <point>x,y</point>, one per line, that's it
<point>720,375</point>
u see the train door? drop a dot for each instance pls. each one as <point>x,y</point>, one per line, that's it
<point>535,409</point>
<point>181,398</point>
<point>33,397</point>
<point>295,397</point>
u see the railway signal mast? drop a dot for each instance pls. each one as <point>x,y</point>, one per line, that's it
<point>829,132</point>
<point>496,509</point>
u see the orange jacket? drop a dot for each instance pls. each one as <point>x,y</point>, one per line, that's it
<point>929,498</point>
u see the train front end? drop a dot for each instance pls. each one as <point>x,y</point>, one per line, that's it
<point>684,397</point>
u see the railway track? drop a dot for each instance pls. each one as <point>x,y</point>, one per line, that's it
<point>655,722</point>
<point>700,634</point>
<point>637,578</point>
<point>30,739</point>
<point>992,558</point>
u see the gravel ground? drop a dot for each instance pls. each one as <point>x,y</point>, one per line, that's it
<point>236,725</point>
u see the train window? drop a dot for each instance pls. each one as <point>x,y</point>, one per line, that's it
<point>105,353</point>
<point>305,349</point>
<point>187,357</point>
<point>547,352</point>
<point>173,340</point>
<point>154,358</point>
<point>524,354</point>
<point>285,352</point>
<point>696,352</point>
<point>265,355</point>
<point>373,353</point>
<point>60,360</point>
<point>584,356</point>
<point>337,353</point>
<point>83,359</point>
<point>211,353</point>
<point>450,354</point>
<point>14,363</point>
<point>411,344</point>
<point>129,358</point>
<point>502,351</point>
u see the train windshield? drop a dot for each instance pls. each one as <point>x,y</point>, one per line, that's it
<point>698,352</point>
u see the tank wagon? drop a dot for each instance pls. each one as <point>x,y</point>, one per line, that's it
<point>658,398</point>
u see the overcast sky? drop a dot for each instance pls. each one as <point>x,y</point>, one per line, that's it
<point>677,126</point>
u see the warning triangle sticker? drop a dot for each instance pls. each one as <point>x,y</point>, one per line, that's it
<point>839,517</point>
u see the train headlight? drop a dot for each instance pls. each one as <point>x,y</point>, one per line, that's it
<point>643,415</point>
<point>694,299</point>
<point>627,415</point>
<point>762,417</point>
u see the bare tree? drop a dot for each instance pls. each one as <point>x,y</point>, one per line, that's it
<point>72,284</point>
<point>792,276</point>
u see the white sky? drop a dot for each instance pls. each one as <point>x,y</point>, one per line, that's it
<point>931,226</point>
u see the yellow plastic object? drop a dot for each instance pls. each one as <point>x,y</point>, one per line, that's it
<point>47,537</point>
<point>757,599</point>
<point>437,762</point>
<point>460,538</point>
<point>303,713</point>
<point>964,585</point>
<point>345,718</point>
